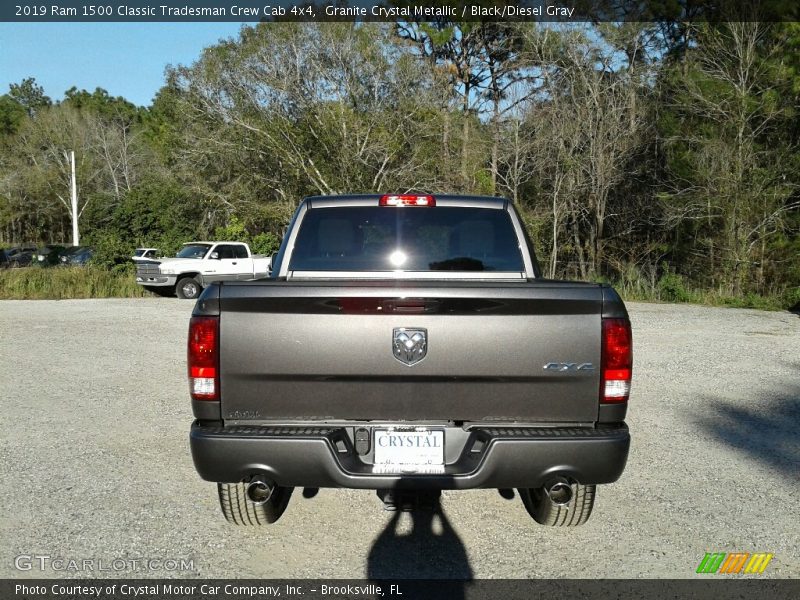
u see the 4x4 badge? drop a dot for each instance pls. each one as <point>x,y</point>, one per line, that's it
<point>556,366</point>
<point>409,345</point>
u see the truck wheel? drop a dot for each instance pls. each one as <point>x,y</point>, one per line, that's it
<point>188,288</point>
<point>241,511</point>
<point>544,511</point>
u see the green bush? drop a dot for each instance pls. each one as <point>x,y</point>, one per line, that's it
<point>791,299</point>
<point>234,231</point>
<point>265,243</point>
<point>671,288</point>
<point>111,251</point>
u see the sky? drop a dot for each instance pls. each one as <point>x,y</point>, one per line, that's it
<point>125,59</point>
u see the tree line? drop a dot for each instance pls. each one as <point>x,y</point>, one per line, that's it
<point>661,156</point>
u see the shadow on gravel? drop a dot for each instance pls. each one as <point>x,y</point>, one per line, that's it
<point>431,549</point>
<point>767,432</point>
<point>310,492</point>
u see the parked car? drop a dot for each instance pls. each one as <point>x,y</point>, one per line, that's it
<point>18,256</point>
<point>5,260</point>
<point>142,254</point>
<point>198,264</point>
<point>48,255</point>
<point>76,256</point>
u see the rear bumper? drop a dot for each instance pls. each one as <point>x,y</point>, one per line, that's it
<point>487,457</point>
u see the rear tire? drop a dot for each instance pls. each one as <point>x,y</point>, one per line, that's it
<point>188,288</point>
<point>543,511</point>
<point>241,511</point>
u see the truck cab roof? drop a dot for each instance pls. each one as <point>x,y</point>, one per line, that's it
<point>440,200</point>
<point>212,243</point>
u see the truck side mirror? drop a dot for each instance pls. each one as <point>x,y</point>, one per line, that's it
<point>214,256</point>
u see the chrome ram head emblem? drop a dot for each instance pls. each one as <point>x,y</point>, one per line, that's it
<point>409,345</point>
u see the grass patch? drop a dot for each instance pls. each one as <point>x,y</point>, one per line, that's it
<point>673,288</point>
<point>674,294</point>
<point>61,283</point>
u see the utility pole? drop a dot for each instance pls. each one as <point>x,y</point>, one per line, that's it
<point>74,193</point>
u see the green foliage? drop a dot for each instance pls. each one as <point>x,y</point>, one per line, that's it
<point>158,213</point>
<point>161,124</point>
<point>791,299</point>
<point>30,95</point>
<point>234,231</point>
<point>12,114</point>
<point>111,250</point>
<point>671,288</point>
<point>729,130</point>
<point>265,243</point>
<point>100,103</point>
<point>483,182</point>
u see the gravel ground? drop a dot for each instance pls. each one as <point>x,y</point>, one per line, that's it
<point>95,462</point>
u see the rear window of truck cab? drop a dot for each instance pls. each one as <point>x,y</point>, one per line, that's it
<point>374,238</point>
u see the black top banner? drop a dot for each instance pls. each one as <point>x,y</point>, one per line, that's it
<point>397,10</point>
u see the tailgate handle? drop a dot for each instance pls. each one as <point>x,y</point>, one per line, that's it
<point>410,306</point>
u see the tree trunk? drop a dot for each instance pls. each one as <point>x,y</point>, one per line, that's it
<point>556,225</point>
<point>579,247</point>
<point>446,143</point>
<point>496,137</point>
<point>465,139</point>
<point>598,245</point>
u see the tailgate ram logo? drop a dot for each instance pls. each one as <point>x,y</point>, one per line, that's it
<point>409,345</point>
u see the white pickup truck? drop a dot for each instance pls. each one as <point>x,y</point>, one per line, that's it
<point>199,263</point>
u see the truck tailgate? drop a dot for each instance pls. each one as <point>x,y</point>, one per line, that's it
<point>310,351</point>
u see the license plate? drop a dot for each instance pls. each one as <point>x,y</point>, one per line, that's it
<point>409,451</point>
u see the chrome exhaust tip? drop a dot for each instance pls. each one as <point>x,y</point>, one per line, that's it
<point>559,491</point>
<point>259,490</point>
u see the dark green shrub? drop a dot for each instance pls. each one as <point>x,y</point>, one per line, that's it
<point>671,288</point>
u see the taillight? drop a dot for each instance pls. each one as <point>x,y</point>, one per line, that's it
<point>617,361</point>
<point>203,358</point>
<point>406,200</point>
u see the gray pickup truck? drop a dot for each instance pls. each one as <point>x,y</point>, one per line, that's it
<point>409,344</point>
